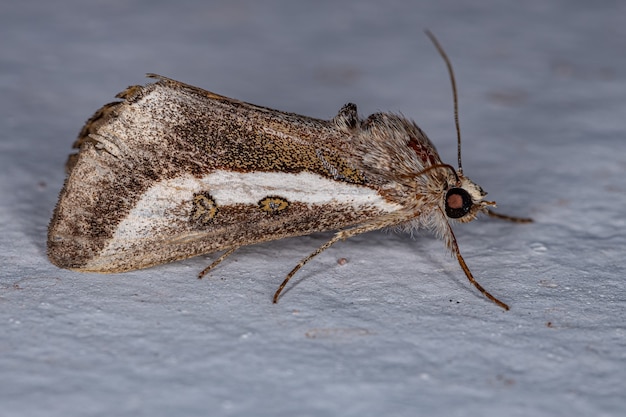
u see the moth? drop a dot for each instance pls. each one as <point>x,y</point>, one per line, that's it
<point>173,171</point>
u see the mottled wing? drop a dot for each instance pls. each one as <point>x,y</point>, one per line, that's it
<point>173,171</point>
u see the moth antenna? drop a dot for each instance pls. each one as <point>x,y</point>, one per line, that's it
<point>433,167</point>
<point>509,218</point>
<point>443,54</point>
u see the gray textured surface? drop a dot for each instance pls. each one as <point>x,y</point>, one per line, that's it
<point>395,331</point>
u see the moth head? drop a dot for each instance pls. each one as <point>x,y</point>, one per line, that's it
<point>463,200</point>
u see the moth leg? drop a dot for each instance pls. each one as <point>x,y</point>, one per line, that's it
<point>341,235</point>
<point>455,249</point>
<point>509,218</point>
<point>217,262</point>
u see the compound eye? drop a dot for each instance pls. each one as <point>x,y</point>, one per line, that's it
<point>458,203</point>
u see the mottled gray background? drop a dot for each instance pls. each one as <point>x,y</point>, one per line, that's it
<point>397,331</point>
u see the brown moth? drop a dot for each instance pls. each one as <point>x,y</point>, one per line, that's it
<point>173,171</point>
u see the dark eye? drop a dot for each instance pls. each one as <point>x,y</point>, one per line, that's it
<point>458,203</point>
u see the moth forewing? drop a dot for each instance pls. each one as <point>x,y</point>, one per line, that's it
<point>173,171</point>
